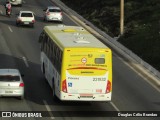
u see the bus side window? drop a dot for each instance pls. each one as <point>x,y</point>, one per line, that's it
<point>60,56</point>
<point>54,54</point>
<point>57,53</point>
<point>50,49</point>
<point>43,42</point>
<point>53,51</point>
<point>60,60</point>
<point>46,45</point>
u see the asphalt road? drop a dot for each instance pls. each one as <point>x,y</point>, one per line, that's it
<point>19,48</point>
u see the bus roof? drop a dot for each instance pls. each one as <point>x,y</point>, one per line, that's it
<point>72,36</point>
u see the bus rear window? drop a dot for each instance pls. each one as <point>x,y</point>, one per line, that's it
<point>99,60</point>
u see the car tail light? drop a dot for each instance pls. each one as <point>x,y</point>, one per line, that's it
<point>21,85</point>
<point>33,21</point>
<point>108,87</point>
<point>61,13</point>
<point>64,86</point>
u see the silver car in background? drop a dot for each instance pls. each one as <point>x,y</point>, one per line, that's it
<point>11,83</point>
<point>16,2</point>
<point>53,13</point>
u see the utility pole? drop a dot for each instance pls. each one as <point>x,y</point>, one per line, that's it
<point>121,17</point>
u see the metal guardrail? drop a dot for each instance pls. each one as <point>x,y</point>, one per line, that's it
<point>109,40</point>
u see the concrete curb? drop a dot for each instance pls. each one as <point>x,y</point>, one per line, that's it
<point>110,41</point>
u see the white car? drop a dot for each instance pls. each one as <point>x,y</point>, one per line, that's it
<point>16,2</point>
<point>53,13</point>
<point>25,18</point>
<point>11,83</point>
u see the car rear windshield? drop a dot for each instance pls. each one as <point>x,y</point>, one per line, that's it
<point>9,78</point>
<point>26,15</point>
<point>54,10</point>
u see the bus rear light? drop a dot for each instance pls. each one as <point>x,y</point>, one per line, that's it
<point>108,87</point>
<point>64,86</point>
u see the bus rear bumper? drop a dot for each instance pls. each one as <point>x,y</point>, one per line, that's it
<point>85,97</point>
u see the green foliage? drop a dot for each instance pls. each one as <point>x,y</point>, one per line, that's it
<point>145,43</point>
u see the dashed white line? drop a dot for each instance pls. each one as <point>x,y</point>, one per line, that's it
<point>1,12</point>
<point>48,109</point>
<point>10,28</point>
<point>25,61</point>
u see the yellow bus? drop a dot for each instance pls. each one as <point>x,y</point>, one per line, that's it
<point>76,64</point>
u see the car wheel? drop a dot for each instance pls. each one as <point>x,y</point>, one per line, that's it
<point>32,25</point>
<point>21,97</point>
<point>17,23</point>
<point>44,19</point>
<point>61,22</point>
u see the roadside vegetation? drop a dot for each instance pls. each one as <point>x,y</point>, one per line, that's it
<point>142,23</point>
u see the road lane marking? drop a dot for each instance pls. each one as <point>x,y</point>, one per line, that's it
<point>48,109</point>
<point>114,106</point>
<point>25,61</point>
<point>10,28</point>
<point>1,12</point>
